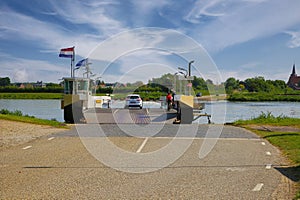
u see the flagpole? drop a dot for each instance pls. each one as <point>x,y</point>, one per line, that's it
<point>71,68</point>
<point>72,63</point>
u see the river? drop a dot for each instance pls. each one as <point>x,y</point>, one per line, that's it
<point>222,111</point>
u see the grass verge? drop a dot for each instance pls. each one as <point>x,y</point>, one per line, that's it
<point>18,116</point>
<point>269,119</point>
<point>31,95</point>
<point>287,141</point>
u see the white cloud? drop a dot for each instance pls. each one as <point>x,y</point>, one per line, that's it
<point>144,73</point>
<point>143,10</point>
<point>52,37</point>
<point>19,26</point>
<point>246,21</point>
<point>225,23</point>
<point>24,70</point>
<point>140,39</point>
<point>204,8</point>
<point>295,40</point>
<point>217,8</point>
<point>92,13</point>
<point>251,65</point>
<point>268,72</point>
<point>20,75</point>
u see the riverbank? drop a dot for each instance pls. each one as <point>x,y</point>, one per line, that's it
<point>263,96</point>
<point>221,97</point>
<point>16,129</point>
<point>239,96</point>
<point>31,95</point>
<point>15,133</point>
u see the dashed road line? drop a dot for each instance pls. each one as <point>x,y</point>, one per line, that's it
<point>51,138</point>
<point>142,145</point>
<point>28,147</point>
<point>205,138</point>
<point>258,187</point>
<point>268,153</point>
<point>268,166</point>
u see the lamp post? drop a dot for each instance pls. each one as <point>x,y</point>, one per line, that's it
<point>186,71</point>
<point>190,63</point>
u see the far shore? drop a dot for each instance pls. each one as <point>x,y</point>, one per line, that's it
<point>236,97</point>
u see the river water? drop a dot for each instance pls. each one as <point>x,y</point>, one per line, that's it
<point>221,111</point>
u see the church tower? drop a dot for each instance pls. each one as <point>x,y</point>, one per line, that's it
<point>294,71</point>
<point>294,80</point>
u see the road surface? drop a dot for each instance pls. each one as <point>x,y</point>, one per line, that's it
<point>240,166</point>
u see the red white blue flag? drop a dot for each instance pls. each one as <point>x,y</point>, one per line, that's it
<point>67,52</point>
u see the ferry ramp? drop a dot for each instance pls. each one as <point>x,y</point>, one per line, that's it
<point>129,116</point>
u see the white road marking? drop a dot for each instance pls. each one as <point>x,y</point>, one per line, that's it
<point>204,138</point>
<point>142,145</point>
<point>268,153</point>
<point>51,138</point>
<point>115,111</point>
<point>147,111</point>
<point>28,147</point>
<point>258,187</point>
<point>233,169</point>
<point>263,143</point>
<point>268,166</point>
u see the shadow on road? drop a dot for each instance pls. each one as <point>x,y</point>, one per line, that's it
<point>293,173</point>
<point>164,117</point>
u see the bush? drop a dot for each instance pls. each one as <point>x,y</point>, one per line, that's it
<point>15,113</point>
<point>4,112</point>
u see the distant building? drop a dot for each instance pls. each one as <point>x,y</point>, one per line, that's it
<point>112,85</point>
<point>39,84</point>
<point>294,80</point>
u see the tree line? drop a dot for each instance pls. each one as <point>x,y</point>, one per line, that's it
<point>256,84</point>
<point>163,84</point>
<point>6,86</point>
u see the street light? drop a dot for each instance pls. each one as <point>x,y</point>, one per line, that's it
<point>190,63</point>
<point>186,72</point>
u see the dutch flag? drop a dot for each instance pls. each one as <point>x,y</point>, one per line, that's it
<point>67,52</point>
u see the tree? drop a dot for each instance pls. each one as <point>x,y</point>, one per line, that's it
<point>231,84</point>
<point>199,83</point>
<point>209,82</point>
<point>279,84</point>
<point>5,81</point>
<point>258,84</point>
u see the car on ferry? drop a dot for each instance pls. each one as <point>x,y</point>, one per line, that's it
<point>133,100</point>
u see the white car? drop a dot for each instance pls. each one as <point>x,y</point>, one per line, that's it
<point>133,100</point>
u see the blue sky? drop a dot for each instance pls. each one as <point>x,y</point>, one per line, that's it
<point>244,38</point>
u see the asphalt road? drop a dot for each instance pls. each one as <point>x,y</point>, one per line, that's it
<point>66,165</point>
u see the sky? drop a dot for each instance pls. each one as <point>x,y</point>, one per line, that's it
<point>137,40</point>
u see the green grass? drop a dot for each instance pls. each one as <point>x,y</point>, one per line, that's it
<point>269,119</point>
<point>287,142</point>
<point>297,197</point>
<point>31,95</point>
<point>263,96</point>
<point>18,116</point>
